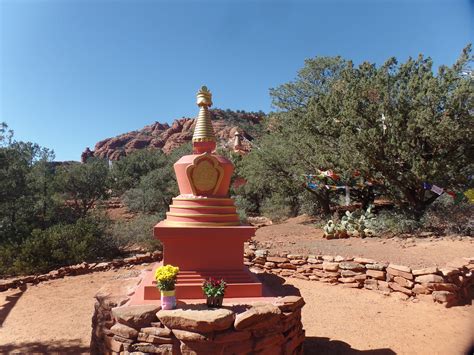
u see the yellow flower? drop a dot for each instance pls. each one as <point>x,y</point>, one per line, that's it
<point>166,273</point>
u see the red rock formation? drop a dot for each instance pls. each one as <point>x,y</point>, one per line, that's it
<point>168,137</point>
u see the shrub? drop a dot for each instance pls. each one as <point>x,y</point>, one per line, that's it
<point>59,245</point>
<point>137,232</point>
<point>276,208</point>
<point>443,217</point>
<point>394,222</point>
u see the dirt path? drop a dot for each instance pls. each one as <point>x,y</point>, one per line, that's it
<point>56,317</point>
<point>298,237</point>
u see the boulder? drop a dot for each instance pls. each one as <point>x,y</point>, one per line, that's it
<point>289,303</point>
<point>429,278</point>
<point>137,317</point>
<point>262,315</point>
<point>198,319</point>
<point>329,266</point>
<point>124,331</point>
<point>353,266</point>
<point>427,270</point>
<point>399,267</point>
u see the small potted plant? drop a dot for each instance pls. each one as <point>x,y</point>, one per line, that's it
<point>214,291</point>
<point>165,277</point>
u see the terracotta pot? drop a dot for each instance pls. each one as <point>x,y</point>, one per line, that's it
<point>214,302</point>
<point>168,299</point>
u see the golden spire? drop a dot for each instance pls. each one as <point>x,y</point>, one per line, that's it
<point>204,140</point>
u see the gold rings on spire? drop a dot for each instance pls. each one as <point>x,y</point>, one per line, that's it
<point>203,131</point>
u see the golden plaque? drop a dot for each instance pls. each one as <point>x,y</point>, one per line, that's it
<point>205,175</point>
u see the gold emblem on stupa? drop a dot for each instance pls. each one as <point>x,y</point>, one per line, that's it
<point>205,175</point>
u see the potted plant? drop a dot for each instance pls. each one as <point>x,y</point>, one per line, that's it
<point>165,277</point>
<point>214,291</point>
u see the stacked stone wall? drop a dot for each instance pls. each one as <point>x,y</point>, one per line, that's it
<point>262,328</point>
<point>79,269</point>
<point>449,285</point>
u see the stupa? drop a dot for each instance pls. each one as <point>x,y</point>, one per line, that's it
<point>202,233</point>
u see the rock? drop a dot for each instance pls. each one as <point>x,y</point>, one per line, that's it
<point>449,271</point>
<point>258,316</point>
<point>136,316</point>
<point>269,265</point>
<point>186,335</point>
<point>403,282</point>
<point>376,274</point>
<point>289,303</point>
<point>277,259</point>
<point>154,330</point>
<point>394,272</point>
<point>298,262</point>
<point>364,261</point>
<point>294,256</point>
<point>261,253</point>
<point>399,267</point>
<point>287,266</point>
<point>124,331</point>
<point>328,258</point>
<point>339,258</point>
<point>349,273</point>
<point>443,296</point>
<point>165,137</point>
<point>164,349</point>
<point>371,284</point>
<point>427,270</point>
<point>197,319</point>
<point>421,289</point>
<point>376,266</point>
<point>349,265</point>
<point>153,339</point>
<point>443,287</point>
<point>347,280</point>
<point>429,278</point>
<point>396,287</point>
<point>328,266</point>
<point>231,336</point>
<point>313,261</point>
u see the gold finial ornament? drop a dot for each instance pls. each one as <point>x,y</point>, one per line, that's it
<point>203,137</point>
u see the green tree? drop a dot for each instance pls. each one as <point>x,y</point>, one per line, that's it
<point>128,171</point>
<point>399,123</point>
<point>82,185</point>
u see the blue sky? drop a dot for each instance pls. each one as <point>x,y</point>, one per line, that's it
<point>73,72</point>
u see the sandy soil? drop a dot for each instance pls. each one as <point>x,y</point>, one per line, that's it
<point>298,236</point>
<point>55,317</point>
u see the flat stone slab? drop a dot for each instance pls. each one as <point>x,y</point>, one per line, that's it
<point>260,315</point>
<point>139,316</point>
<point>198,319</point>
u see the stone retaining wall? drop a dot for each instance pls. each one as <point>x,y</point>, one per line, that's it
<point>79,269</point>
<point>450,285</point>
<point>262,328</point>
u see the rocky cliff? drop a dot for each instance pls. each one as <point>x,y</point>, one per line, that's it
<point>168,137</point>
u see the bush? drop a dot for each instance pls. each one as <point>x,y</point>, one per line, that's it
<point>59,245</point>
<point>276,208</point>
<point>443,217</point>
<point>394,222</point>
<point>137,232</point>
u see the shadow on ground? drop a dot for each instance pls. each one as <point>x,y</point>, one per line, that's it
<point>275,285</point>
<point>322,346</point>
<point>10,302</point>
<point>53,347</point>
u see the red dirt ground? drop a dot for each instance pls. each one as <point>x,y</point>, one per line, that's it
<point>299,236</point>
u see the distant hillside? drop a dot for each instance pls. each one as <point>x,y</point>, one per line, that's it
<point>168,137</point>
